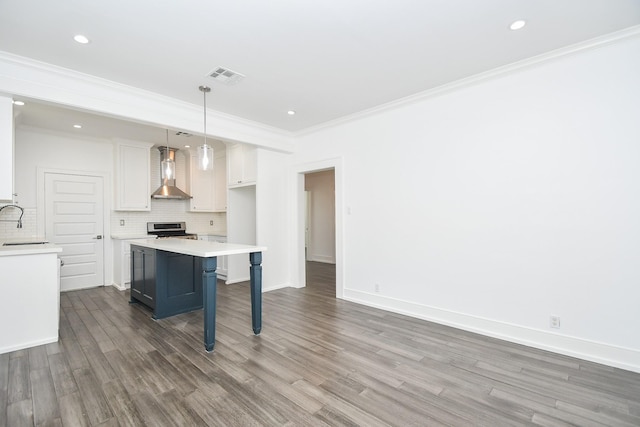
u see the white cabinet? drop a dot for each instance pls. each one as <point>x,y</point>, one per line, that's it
<point>208,188</point>
<point>122,263</point>
<point>133,165</point>
<point>221,269</point>
<point>241,165</point>
<point>6,148</point>
<point>201,187</point>
<point>30,303</point>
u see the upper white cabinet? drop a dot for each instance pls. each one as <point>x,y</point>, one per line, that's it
<point>207,188</point>
<point>241,165</point>
<point>201,187</point>
<point>6,148</point>
<point>133,163</point>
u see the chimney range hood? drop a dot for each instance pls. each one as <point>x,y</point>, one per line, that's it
<point>168,189</point>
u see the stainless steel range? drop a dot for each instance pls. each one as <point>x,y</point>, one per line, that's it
<point>164,230</point>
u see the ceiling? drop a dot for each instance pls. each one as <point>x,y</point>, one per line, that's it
<point>325,59</point>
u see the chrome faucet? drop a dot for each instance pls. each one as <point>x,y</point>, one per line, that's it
<point>21,213</point>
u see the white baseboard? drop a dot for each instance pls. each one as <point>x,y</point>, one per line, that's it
<point>120,287</point>
<point>321,258</point>
<point>237,280</point>
<point>264,289</point>
<point>24,345</point>
<point>275,287</point>
<point>619,357</point>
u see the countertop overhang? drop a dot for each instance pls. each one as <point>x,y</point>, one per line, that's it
<point>199,248</point>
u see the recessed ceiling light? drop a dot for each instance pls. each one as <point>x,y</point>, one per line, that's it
<point>77,126</point>
<point>18,103</point>
<point>291,112</point>
<point>516,25</point>
<point>187,146</point>
<point>81,39</point>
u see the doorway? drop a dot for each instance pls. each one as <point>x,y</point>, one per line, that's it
<point>320,233</point>
<point>74,220</point>
<point>318,252</point>
<point>320,227</point>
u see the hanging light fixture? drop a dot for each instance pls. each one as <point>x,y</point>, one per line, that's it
<point>168,165</point>
<point>205,151</point>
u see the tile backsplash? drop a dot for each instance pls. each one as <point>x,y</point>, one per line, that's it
<point>9,224</point>
<point>168,210</point>
<point>135,222</point>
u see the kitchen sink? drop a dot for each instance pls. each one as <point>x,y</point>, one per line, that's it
<point>23,243</point>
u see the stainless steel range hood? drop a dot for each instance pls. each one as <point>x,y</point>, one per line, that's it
<point>168,189</point>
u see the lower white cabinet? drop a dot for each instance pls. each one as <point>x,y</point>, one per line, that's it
<point>30,303</point>
<point>221,269</point>
<point>122,264</point>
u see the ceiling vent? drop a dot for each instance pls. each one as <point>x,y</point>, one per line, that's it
<point>226,76</point>
<point>187,134</point>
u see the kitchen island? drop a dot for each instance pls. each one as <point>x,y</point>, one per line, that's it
<point>168,275</point>
<point>30,301</point>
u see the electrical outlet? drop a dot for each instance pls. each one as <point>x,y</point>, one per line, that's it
<point>554,322</point>
<point>377,287</point>
<point>211,222</point>
<point>122,223</point>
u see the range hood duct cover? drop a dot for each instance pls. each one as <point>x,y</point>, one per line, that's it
<point>168,189</point>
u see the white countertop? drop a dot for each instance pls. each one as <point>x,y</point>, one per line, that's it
<point>207,233</point>
<point>200,248</point>
<point>132,236</point>
<point>30,249</point>
<point>129,236</point>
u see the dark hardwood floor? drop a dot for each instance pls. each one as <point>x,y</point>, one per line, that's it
<point>318,361</point>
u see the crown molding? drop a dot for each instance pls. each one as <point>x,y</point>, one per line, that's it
<point>26,77</point>
<point>594,43</point>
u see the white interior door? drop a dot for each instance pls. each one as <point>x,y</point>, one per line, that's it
<point>74,220</point>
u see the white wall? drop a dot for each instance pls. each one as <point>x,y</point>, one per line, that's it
<point>241,229</point>
<point>502,203</point>
<point>40,148</point>
<point>322,225</point>
<point>273,223</point>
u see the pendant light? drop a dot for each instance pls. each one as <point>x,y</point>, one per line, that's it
<point>205,151</point>
<point>168,166</point>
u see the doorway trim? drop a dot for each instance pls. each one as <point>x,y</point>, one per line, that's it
<point>107,258</point>
<point>299,171</point>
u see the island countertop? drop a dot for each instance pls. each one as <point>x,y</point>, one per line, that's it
<point>199,248</point>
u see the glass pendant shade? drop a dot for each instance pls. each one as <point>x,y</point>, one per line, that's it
<point>205,151</point>
<point>168,167</point>
<point>205,157</point>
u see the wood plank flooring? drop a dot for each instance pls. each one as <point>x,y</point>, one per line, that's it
<point>319,361</point>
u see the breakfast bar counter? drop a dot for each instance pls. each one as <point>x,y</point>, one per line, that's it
<point>173,276</point>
